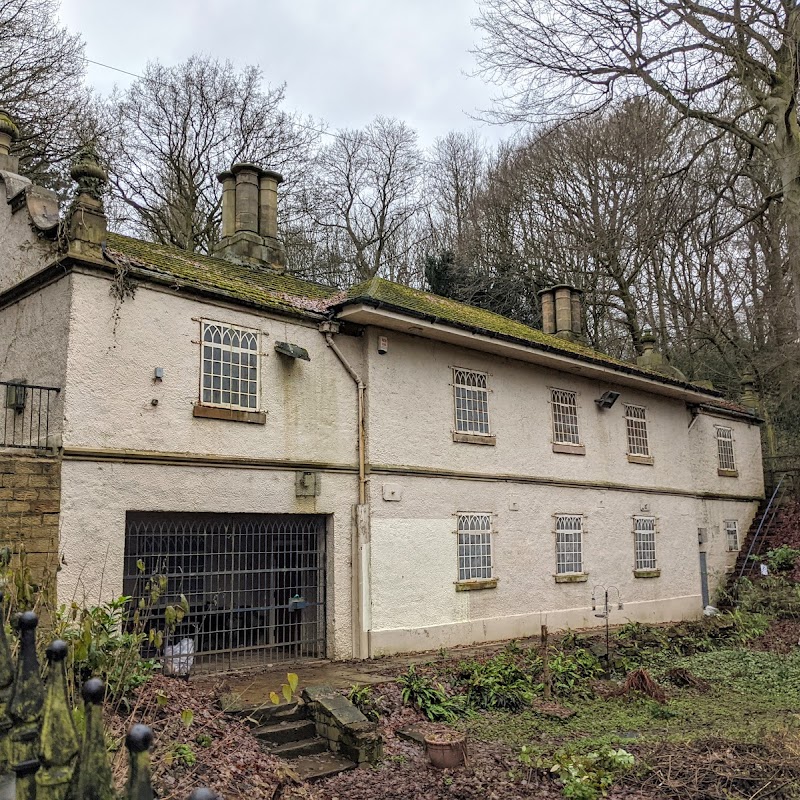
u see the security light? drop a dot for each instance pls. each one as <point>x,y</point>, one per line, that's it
<point>607,399</point>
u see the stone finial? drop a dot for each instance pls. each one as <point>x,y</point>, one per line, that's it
<point>25,709</point>
<point>138,741</point>
<point>749,393</point>
<point>58,749</point>
<point>94,772</point>
<point>87,218</point>
<point>651,358</point>
<point>9,133</point>
<point>88,174</point>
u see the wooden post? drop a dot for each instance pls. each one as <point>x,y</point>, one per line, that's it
<point>546,662</point>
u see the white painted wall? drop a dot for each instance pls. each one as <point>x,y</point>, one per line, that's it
<point>416,376</point>
<point>412,548</point>
<point>311,406</point>
<point>24,252</point>
<point>414,559</point>
<point>95,497</point>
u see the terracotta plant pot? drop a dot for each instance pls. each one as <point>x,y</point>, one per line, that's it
<point>446,749</point>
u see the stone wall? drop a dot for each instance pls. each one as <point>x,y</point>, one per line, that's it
<point>30,496</point>
<point>347,730</point>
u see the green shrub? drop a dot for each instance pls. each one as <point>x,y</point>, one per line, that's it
<point>779,559</point>
<point>774,596</point>
<point>364,700</point>
<point>431,699</point>
<point>588,776</point>
<point>571,673</point>
<point>102,646</point>
<point>506,681</point>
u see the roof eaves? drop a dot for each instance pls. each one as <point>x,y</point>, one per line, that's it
<point>368,299</point>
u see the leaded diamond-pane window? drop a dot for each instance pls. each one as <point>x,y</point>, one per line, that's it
<point>727,460</point>
<point>644,532</point>
<point>474,547</point>
<point>732,534</point>
<point>569,547</point>
<point>471,398</point>
<point>230,369</point>
<point>565,417</point>
<point>636,423</point>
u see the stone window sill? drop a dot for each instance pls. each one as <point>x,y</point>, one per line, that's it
<point>476,585</point>
<point>573,449</point>
<point>572,577</point>
<point>230,414</point>
<point>728,473</point>
<point>634,459</point>
<point>475,438</point>
<point>646,573</point>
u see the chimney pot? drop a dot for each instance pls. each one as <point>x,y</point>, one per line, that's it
<point>228,182</point>
<point>548,311</point>
<point>577,312</point>
<point>561,311</point>
<point>268,202</point>
<point>246,197</point>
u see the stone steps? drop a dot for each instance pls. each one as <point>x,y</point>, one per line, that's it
<point>287,731</point>
<point>295,749</point>
<point>322,765</point>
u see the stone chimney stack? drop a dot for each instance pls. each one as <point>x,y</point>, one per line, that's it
<point>250,217</point>
<point>562,311</point>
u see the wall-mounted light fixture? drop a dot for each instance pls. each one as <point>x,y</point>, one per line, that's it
<point>607,399</point>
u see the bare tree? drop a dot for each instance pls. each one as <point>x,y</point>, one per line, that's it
<point>41,86</point>
<point>363,198</point>
<point>176,128</point>
<point>729,64</point>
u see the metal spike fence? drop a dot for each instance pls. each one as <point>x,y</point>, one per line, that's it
<point>41,754</point>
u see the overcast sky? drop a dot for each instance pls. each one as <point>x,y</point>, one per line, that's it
<point>343,62</point>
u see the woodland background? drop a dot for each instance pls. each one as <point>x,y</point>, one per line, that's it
<point>656,166</point>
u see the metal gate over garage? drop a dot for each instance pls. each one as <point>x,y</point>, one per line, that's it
<point>255,584</point>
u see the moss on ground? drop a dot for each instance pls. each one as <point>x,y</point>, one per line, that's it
<point>752,694</point>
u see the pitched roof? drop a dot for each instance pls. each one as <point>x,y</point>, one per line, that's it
<point>285,293</point>
<point>264,288</point>
<point>386,294</point>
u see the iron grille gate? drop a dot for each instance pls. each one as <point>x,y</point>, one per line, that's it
<point>255,583</point>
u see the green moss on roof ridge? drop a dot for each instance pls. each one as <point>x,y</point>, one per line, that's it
<point>453,311</point>
<point>401,297</point>
<point>262,287</point>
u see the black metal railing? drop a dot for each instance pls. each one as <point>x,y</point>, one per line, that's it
<point>42,754</point>
<point>27,413</point>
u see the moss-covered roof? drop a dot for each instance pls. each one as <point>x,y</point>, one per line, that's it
<point>393,296</point>
<point>284,293</point>
<point>264,288</point>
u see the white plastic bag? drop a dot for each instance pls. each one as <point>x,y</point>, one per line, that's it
<point>178,658</point>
